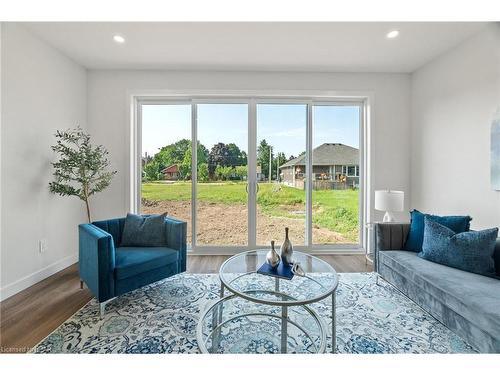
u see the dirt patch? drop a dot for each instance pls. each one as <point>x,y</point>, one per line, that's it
<point>223,224</point>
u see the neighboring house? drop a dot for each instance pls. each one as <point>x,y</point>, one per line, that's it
<point>171,173</point>
<point>335,166</point>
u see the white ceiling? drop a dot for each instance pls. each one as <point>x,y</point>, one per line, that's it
<point>324,47</point>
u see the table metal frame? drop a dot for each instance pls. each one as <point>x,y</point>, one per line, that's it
<point>217,308</point>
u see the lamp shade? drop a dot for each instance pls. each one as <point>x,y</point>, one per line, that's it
<point>389,200</point>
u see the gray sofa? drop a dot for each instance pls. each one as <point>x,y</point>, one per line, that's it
<point>466,303</point>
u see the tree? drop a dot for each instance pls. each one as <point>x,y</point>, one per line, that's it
<point>263,157</point>
<point>172,154</point>
<point>203,172</point>
<point>185,165</point>
<point>235,155</point>
<point>277,162</point>
<point>218,156</point>
<point>241,171</point>
<point>82,169</point>
<point>151,171</point>
<point>223,173</point>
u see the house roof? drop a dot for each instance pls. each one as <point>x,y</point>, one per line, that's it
<point>170,169</point>
<point>329,154</point>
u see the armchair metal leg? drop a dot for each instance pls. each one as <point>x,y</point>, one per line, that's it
<point>81,284</point>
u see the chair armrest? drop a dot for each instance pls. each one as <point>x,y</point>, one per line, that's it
<point>389,236</point>
<point>176,239</point>
<point>97,260</point>
<point>496,256</point>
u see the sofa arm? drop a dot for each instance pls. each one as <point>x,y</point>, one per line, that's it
<point>97,260</point>
<point>176,239</point>
<point>389,236</point>
<point>496,256</point>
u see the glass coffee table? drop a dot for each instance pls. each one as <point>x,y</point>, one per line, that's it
<point>265,314</point>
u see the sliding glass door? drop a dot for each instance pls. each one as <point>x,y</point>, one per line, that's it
<point>281,194</point>
<point>221,189</point>
<point>240,171</point>
<point>166,161</point>
<point>335,175</point>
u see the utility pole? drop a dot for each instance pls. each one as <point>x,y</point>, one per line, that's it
<point>270,162</point>
<point>277,168</point>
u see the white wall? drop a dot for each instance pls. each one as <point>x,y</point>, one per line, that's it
<point>41,91</point>
<point>454,99</point>
<point>108,121</point>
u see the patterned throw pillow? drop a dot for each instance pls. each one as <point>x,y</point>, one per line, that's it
<point>415,238</point>
<point>469,251</point>
<point>144,231</point>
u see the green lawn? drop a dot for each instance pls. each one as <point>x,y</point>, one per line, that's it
<point>336,210</point>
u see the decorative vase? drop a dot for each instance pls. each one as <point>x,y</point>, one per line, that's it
<point>286,250</point>
<point>272,257</point>
<point>298,270</point>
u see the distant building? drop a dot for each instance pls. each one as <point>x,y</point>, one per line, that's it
<point>171,173</point>
<point>260,175</point>
<point>335,166</point>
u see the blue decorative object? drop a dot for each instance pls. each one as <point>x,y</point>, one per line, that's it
<point>467,251</point>
<point>283,271</point>
<point>145,231</point>
<point>109,270</point>
<point>373,317</point>
<point>415,238</point>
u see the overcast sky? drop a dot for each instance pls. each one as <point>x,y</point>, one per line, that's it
<point>283,126</point>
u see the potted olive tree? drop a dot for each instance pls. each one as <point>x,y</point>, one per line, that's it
<point>81,169</point>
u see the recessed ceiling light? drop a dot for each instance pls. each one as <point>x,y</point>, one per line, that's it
<point>119,39</point>
<point>392,34</point>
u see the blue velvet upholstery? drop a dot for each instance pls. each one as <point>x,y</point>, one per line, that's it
<point>469,251</point>
<point>131,261</point>
<point>415,238</point>
<point>467,303</point>
<point>110,270</point>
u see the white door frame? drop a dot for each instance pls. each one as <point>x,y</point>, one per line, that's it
<point>250,97</point>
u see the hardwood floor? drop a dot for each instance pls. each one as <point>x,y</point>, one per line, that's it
<point>29,316</point>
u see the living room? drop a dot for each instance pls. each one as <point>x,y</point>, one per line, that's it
<point>250,187</point>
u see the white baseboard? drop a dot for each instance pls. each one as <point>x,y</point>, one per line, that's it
<point>27,281</point>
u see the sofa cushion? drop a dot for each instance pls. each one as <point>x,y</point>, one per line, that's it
<point>144,230</point>
<point>415,238</point>
<point>468,251</point>
<point>474,297</point>
<point>131,261</point>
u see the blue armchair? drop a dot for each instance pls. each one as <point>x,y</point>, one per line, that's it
<point>109,270</point>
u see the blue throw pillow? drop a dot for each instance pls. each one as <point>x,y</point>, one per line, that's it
<point>144,231</point>
<point>415,238</point>
<point>468,251</point>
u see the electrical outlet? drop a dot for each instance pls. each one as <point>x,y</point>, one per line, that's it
<point>42,246</point>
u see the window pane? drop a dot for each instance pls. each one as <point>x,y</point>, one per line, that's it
<point>281,198</point>
<point>166,161</point>
<point>335,196</point>
<point>222,201</point>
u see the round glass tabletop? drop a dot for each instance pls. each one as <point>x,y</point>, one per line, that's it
<point>239,275</point>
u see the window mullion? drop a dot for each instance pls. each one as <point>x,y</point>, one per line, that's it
<point>309,173</point>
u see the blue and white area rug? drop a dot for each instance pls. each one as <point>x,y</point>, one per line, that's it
<point>162,318</point>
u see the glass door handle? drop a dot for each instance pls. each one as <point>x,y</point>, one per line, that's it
<point>256,187</point>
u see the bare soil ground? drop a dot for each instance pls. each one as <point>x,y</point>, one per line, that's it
<point>223,224</point>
